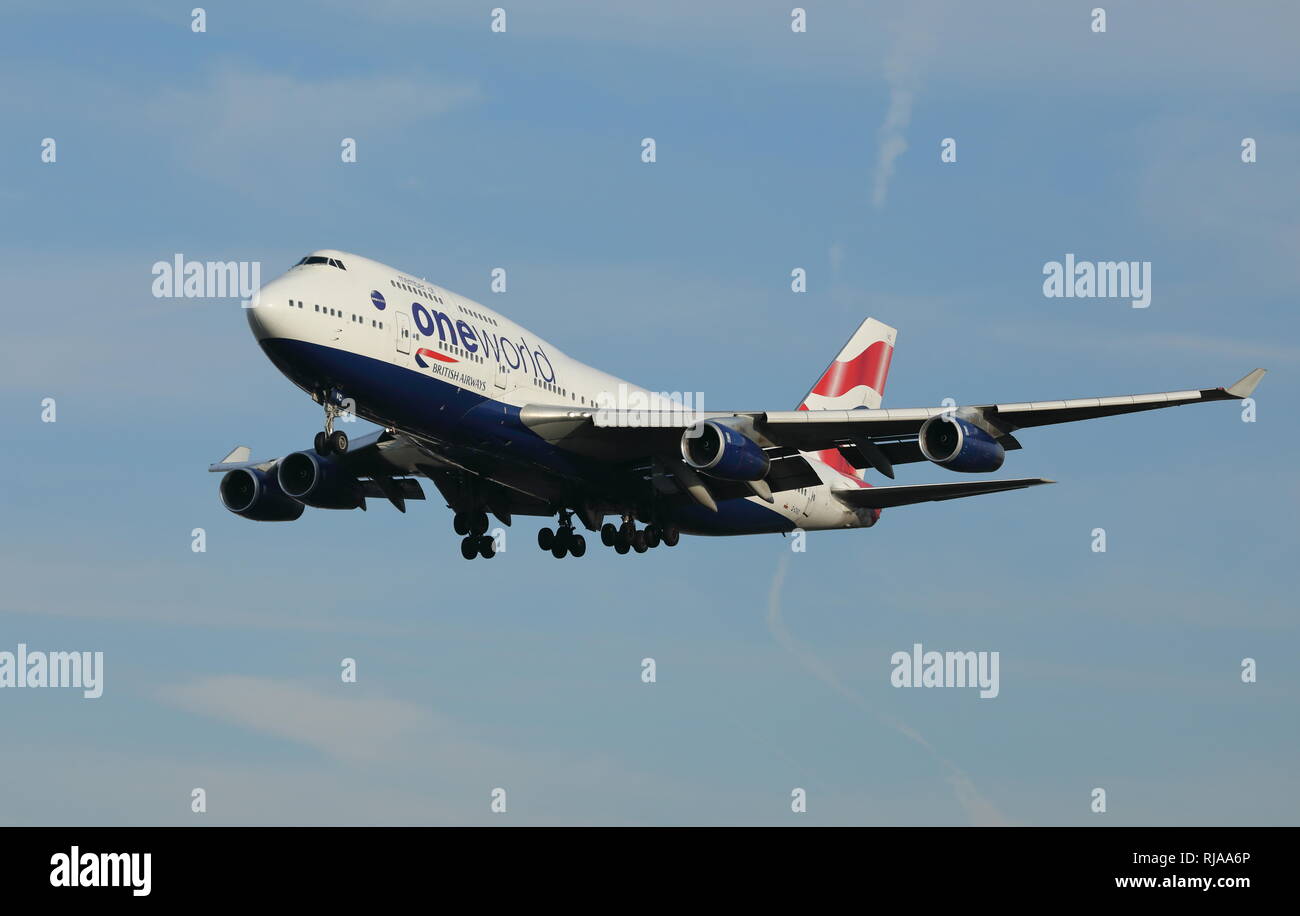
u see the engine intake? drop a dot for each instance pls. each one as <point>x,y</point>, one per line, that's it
<point>257,495</point>
<point>319,482</point>
<point>720,451</point>
<point>958,445</point>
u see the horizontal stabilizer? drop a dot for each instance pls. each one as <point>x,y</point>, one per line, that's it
<point>886,497</point>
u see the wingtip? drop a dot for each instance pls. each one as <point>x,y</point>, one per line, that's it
<point>238,454</point>
<point>1245,386</point>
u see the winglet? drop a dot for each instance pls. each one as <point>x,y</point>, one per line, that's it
<point>1246,386</point>
<point>238,455</point>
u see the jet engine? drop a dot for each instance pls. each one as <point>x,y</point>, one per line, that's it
<point>319,482</point>
<point>720,451</point>
<point>958,445</point>
<point>257,495</point>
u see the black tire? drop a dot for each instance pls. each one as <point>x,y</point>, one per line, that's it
<point>621,546</point>
<point>339,442</point>
<point>607,534</point>
<point>638,542</point>
<point>487,547</point>
<point>321,443</point>
<point>578,545</point>
<point>671,536</point>
<point>559,549</point>
<point>545,538</point>
<point>478,524</point>
<point>459,524</point>
<point>468,548</point>
<point>652,536</point>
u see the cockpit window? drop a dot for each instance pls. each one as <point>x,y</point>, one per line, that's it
<point>317,259</point>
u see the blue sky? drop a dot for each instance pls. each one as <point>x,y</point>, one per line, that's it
<point>1118,670</point>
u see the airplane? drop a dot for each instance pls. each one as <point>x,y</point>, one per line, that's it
<point>502,422</point>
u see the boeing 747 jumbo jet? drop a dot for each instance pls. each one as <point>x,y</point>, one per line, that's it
<point>504,423</point>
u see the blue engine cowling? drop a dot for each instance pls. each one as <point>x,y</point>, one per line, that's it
<point>257,495</point>
<point>319,482</point>
<point>957,445</point>
<point>720,451</point>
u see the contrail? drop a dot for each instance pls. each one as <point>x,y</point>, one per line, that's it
<point>980,810</point>
<point>912,47</point>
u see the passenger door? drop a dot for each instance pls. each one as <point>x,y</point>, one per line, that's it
<point>403,332</point>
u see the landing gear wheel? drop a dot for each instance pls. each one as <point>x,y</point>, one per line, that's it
<point>638,542</point>
<point>652,536</point>
<point>321,443</point>
<point>621,546</point>
<point>469,548</point>
<point>487,547</point>
<point>338,442</point>
<point>460,523</point>
<point>559,549</point>
<point>545,538</point>
<point>478,523</point>
<point>577,545</point>
<point>607,534</point>
<point>671,536</point>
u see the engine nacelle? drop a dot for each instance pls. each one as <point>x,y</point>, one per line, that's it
<point>958,445</point>
<point>319,482</point>
<point>720,451</point>
<point>257,495</point>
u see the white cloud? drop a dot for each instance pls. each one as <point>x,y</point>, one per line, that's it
<point>344,723</point>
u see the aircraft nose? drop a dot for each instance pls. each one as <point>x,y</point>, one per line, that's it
<point>267,313</point>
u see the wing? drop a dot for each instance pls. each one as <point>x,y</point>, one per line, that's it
<point>387,465</point>
<point>380,460</point>
<point>868,438</point>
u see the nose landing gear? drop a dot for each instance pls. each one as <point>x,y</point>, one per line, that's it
<point>331,440</point>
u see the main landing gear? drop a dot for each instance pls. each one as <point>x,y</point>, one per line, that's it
<point>481,546</point>
<point>628,537</point>
<point>477,542</point>
<point>331,440</point>
<point>563,540</point>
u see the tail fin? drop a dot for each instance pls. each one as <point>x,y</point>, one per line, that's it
<point>857,376</point>
<point>855,379</point>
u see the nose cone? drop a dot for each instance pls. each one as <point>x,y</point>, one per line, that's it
<point>268,313</point>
